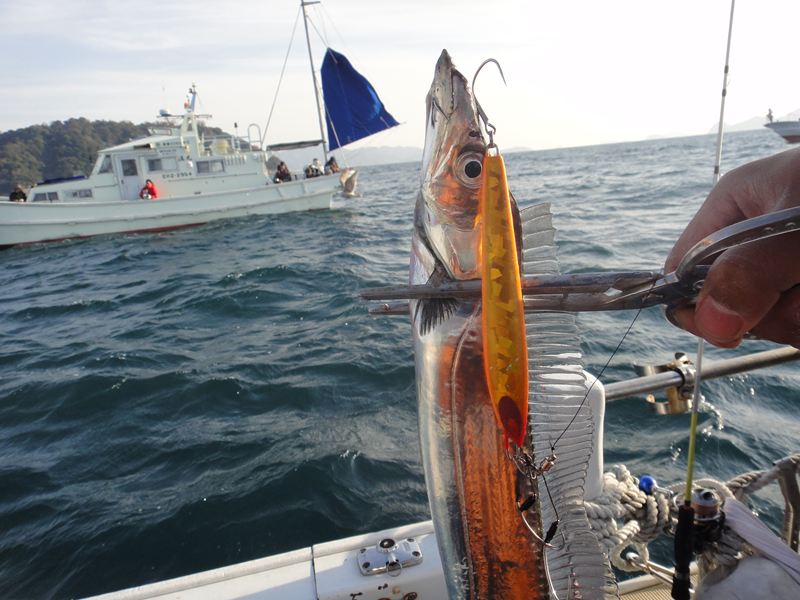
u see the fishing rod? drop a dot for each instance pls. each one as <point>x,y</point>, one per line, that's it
<point>684,530</point>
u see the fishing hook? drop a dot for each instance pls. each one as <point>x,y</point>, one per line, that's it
<point>490,129</point>
<point>535,534</point>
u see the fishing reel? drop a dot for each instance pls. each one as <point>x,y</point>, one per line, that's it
<point>709,519</point>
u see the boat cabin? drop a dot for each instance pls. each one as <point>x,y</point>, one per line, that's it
<point>178,159</point>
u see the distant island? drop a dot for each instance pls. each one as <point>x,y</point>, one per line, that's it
<point>69,148</point>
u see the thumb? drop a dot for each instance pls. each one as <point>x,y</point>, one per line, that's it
<point>744,286</point>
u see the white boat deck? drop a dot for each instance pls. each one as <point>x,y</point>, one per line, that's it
<point>329,571</point>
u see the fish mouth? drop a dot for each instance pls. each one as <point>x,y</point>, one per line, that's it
<point>451,166</point>
<point>450,93</point>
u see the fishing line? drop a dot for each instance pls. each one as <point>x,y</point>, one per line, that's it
<point>684,528</point>
<point>690,458</point>
<point>553,527</point>
<point>600,374</point>
<point>551,531</point>
<point>701,342</point>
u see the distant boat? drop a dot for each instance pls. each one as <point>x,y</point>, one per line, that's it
<point>351,107</point>
<point>199,178</point>
<point>788,130</point>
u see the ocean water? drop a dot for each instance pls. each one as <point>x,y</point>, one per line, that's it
<point>181,401</point>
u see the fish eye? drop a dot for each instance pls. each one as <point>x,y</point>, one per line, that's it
<point>469,167</point>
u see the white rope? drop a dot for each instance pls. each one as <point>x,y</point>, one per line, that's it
<point>749,483</point>
<point>624,516</point>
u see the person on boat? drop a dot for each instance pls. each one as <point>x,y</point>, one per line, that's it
<point>18,195</point>
<point>314,169</point>
<point>149,191</point>
<point>331,166</point>
<point>769,115</point>
<point>753,288</point>
<point>282,173</point>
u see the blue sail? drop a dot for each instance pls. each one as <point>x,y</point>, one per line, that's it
<point>352,107</point>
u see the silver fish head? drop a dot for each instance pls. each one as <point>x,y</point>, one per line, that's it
<point>447,207</point>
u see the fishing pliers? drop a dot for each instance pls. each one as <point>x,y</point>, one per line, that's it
<point>607,290</point>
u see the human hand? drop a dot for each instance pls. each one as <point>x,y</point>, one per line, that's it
<point>755,287</point>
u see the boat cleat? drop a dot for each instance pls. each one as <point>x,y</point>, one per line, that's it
<point>389,556</point>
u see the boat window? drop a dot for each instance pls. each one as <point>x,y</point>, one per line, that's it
<point>81,193</point>
<point>105,167</point>
<point>129,167</point>
<point>40,197</point>
<point>210,166</point>
<point>162,164</point>
<point>52,196</point>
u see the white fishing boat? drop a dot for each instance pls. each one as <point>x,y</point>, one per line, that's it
<point>788,130</point>
<point>197,178</point>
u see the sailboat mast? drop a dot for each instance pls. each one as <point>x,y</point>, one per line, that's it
<point>303,3</point>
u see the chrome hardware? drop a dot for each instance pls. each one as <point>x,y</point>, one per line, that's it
<point>679,397</point>
<point>389,556</point>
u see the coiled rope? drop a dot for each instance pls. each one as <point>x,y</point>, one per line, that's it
<point>623,516</point>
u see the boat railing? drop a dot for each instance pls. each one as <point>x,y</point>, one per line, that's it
<point>254,132</point>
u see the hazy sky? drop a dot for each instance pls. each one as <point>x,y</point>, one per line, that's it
<point>578,72</point>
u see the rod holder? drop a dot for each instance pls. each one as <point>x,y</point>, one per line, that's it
<point>678,396</point>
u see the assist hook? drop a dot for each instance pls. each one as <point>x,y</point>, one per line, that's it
<point>490,129</point>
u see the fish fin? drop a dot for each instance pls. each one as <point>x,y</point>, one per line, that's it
<point>430,312</point>
<point>538,240</point>
<point>558,385</point>
<point>515,216</point>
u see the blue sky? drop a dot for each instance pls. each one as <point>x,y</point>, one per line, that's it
<point>578,71</point>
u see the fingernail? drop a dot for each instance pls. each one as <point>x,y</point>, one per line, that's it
<point>718,324</point>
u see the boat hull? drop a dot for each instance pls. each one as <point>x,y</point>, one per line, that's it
<point>27,223</point>
<point>788,130</point>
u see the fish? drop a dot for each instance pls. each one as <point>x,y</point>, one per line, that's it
<point>478,495</point>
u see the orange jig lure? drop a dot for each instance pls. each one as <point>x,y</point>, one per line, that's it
<point>505,348</point>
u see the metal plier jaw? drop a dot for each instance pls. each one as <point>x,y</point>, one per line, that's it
<point>610,290</point>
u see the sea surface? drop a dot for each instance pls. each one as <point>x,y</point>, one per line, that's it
<point>182,401</point>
